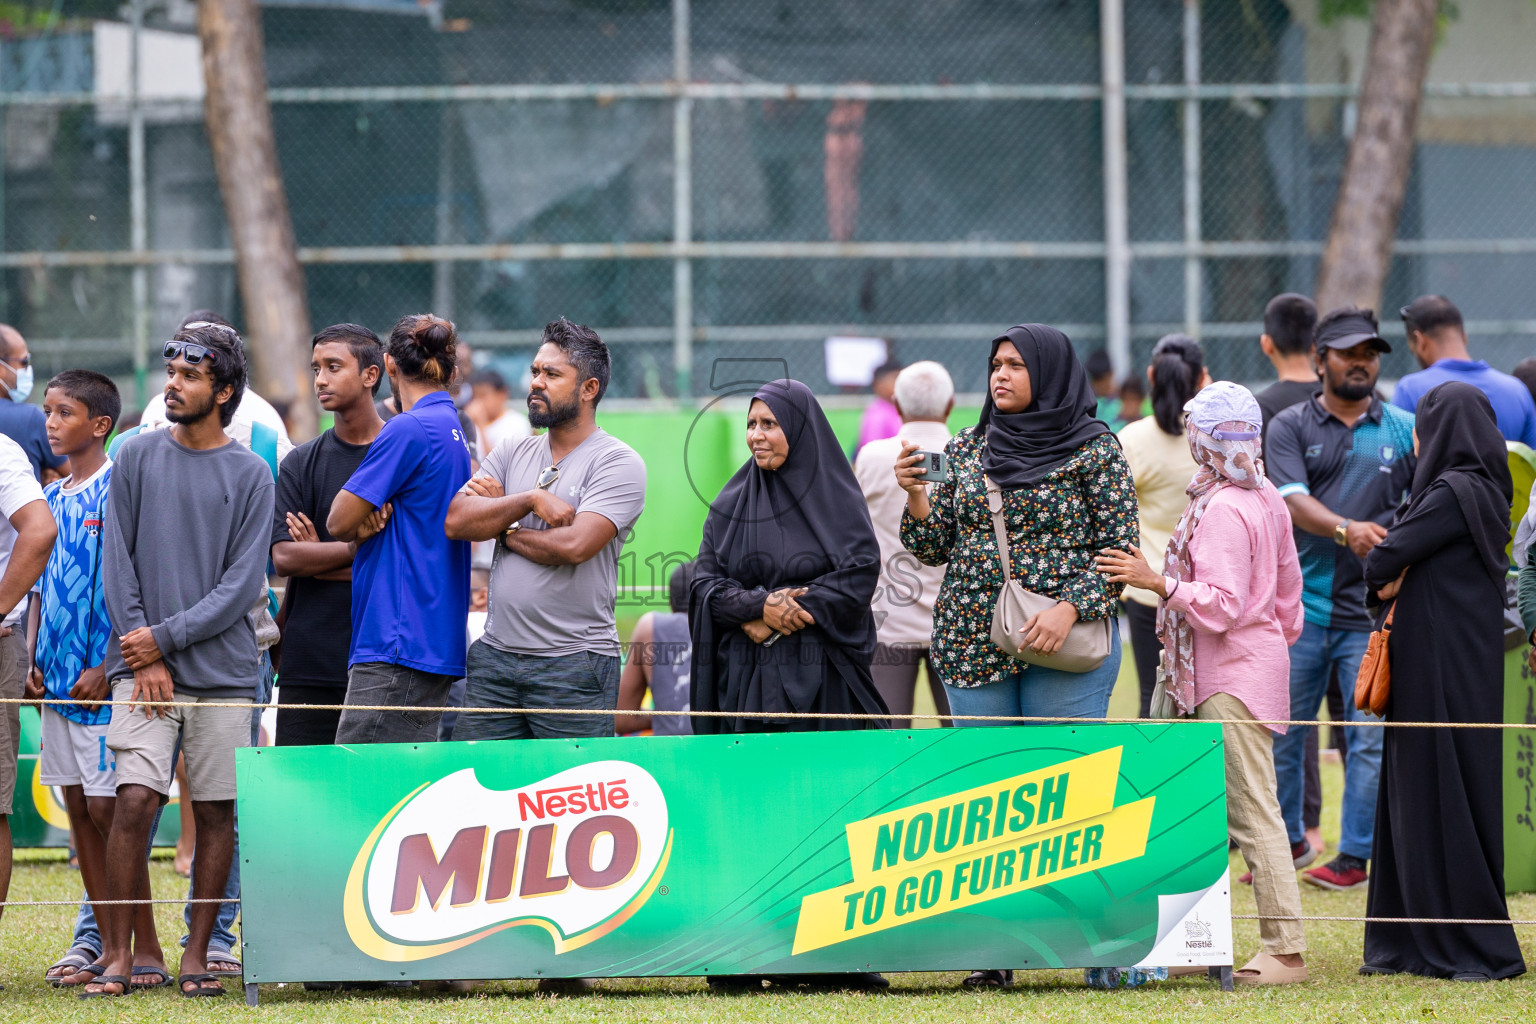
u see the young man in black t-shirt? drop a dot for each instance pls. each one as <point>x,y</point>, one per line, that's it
<point>1289,321</point>
<point>348,364</point>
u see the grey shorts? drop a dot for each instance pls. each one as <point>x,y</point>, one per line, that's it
<point>13,677</point>
<point>76,755</point>
<point>146,747</point>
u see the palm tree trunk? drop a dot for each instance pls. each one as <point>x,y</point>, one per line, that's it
<point>1365,215</point>
<point>239,125</point>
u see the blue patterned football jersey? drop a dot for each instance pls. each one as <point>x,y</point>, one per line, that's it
<point>73,628</point>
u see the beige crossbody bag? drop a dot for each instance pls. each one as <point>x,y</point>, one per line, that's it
<point>1086,645</point>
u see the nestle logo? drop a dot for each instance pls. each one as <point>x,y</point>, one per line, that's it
<point>560,800</point>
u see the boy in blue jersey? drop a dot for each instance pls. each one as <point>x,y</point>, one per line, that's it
<point>71,627</point>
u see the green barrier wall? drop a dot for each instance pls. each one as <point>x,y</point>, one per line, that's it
<point>688,457</point>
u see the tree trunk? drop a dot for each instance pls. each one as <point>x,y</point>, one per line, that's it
<point>1359,250</point>
<point>239,125</point>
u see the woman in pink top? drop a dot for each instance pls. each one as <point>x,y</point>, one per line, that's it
<point>1231,608</point>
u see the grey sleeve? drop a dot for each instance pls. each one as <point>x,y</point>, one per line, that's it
<point>119,579</point>
<point>242,584</point>
<point>616,491</point>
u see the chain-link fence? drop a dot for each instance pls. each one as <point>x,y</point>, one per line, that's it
<point>699,178</point>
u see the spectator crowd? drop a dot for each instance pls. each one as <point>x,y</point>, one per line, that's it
<point>439,550</point>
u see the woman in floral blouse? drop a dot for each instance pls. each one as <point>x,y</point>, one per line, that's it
<point>1067,494</point>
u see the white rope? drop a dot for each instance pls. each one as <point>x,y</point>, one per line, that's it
<point>774,715</point>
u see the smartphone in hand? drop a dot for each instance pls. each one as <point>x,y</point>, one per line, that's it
<point>934,465</point>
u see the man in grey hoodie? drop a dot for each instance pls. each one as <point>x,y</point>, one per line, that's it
<point>184,560</point>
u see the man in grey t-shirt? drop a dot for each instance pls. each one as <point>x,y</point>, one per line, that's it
<point>561,505</point>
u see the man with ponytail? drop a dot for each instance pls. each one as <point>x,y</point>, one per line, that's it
<point>410,582</point>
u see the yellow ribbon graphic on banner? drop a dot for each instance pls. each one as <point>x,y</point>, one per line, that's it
<point>977,845</point>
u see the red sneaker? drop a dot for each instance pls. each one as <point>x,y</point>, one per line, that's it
<point>1340,874</point>
<point>1302,854</point>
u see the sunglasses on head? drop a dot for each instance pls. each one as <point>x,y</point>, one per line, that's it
<point>192,353</point>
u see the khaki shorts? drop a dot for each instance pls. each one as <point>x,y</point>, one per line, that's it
<point>13,678</point>
<point>76,755</point>
<point>146,747</point>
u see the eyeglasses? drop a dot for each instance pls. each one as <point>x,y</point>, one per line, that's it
<point>547,477</point>
<point>193,354</point>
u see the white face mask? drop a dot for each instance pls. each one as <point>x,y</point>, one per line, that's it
<point>23,387</point>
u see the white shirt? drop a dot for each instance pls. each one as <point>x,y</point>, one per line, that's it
<point>903,604</point>
<point>252,409</point>
<point>18,488</point>
<point>509,426</point>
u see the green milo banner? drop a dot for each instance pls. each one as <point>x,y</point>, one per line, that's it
<point>1022,847</point>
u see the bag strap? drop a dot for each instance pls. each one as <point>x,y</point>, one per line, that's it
<point>1387,622</point>
<point>995,506</point>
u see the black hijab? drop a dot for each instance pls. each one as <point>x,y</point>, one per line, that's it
<point>1460,445</point>
<point>1024,447</point>
<point>804,524</point>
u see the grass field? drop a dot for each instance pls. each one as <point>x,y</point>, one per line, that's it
<point>30,938</point>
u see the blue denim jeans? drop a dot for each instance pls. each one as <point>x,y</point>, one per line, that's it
<point>1313,659</point>
<point>222,940</point>
<point>499,679</point>
<point>1036,692</point>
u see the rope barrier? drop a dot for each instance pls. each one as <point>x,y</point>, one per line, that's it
<point>104,903</point>
<point>776,715</point>
<point>1235,917</point>
<point>1385,920</point>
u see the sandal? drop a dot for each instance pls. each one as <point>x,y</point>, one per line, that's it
<point>75,960</point>
<point>143,970</point>
<point>989,979</point>
<point>109,979</point>
<point>84,976</point>
<point>223,956</point>
<point>202,989</point>
<point>1266,970</point>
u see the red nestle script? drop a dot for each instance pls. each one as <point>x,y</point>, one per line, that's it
<point>577,799</point>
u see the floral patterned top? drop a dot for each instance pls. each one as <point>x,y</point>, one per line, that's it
<point>1054,530</point>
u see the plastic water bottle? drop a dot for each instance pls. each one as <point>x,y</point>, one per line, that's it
<point>1122,977</point>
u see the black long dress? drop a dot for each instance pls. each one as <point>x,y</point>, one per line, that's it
<point>1439,845</point>
<point>803,525</point>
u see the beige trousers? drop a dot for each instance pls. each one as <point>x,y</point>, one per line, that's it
<point>1253,818</point>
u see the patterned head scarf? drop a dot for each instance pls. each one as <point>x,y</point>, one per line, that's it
<point>1223,424</point>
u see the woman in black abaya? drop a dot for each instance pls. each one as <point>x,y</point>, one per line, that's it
<point>1439,846</point>
<point>780,605</point>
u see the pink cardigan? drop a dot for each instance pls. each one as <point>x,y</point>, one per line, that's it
<point>1244,603</point>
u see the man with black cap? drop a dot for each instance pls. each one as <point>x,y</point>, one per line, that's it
<point>1343,462</point>
<point>1438,340</point>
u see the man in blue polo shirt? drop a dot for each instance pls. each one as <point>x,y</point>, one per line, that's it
<point>1438,340</point>
<point>410,583</point>
<point>1343,462</point>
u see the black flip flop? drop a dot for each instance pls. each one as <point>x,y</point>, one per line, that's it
<point>141,970</point>
<point>109,979</point>
<point>202,991</point>
<point>93,971</point>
